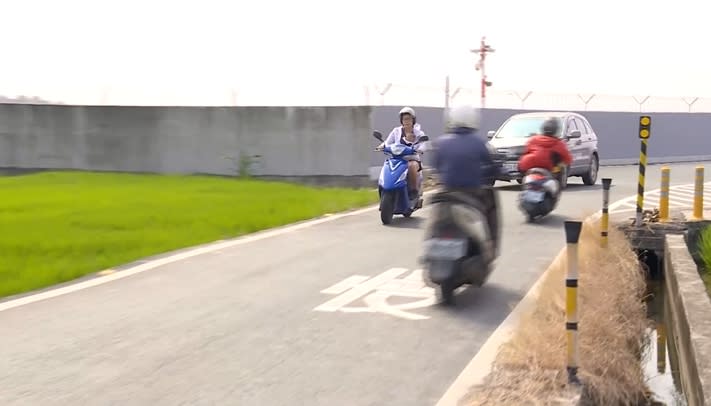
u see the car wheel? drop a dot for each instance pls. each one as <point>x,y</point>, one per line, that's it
<point>591,177</point>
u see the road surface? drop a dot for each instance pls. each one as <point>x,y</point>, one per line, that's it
<point>238,325</point>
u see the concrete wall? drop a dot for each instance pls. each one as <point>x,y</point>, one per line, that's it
<point>291,141</point>
<point>690,307</point>
<point>675,136</point>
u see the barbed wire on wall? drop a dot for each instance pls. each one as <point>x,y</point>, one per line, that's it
<point>529,99</point>
<point>377,94</point>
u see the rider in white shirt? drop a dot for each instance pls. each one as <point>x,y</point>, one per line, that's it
<point>409,133</point>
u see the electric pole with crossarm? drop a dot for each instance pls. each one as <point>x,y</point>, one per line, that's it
<point>484,49</point>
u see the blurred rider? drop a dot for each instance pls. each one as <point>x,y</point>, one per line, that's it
<point>464,162</point>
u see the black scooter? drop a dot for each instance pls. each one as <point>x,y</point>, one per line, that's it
<point>459,248</point>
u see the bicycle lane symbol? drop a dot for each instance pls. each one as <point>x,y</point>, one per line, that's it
<point>375,293</point>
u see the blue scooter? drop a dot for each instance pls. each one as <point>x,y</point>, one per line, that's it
<point>392,184</point>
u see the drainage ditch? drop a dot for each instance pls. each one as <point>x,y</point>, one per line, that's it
<point>659,360</point>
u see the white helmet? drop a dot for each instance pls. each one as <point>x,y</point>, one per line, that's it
<point>407,110</point>
<point>464,117</point>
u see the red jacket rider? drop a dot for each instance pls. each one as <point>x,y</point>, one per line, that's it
<point>541,148</point>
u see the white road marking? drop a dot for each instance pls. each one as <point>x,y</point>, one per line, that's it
<point>376,291</point>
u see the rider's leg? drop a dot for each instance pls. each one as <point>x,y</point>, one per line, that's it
<point>412,168</point>
<point>489,202</point>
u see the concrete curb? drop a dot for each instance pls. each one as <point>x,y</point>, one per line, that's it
<point>690,306</point>
<point>481,365</point>
<point>476,372</point>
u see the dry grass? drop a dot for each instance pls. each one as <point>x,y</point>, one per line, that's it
<point>531,367</point>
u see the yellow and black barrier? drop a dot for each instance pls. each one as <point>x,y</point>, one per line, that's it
<point>605,218</point>
<point>699,193</point>
<point>664,195</point>
<point>645,124</point>
<point>572,236</point>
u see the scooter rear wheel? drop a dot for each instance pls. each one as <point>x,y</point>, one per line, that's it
<point>446,293</point>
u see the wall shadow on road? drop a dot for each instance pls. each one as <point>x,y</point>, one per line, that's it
<point>552,220</point>
<point>512,187</point>
<point>414,222</point>
<point>571,187</point>
<point>581,187</point>
<point>486,306</point>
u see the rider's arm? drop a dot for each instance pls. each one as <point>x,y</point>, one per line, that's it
<point>393,137</point>
<point>527,148</point>
<point>422,146</point>
<point>435,157</point>
<point>562,149</point>
<point>488,166</point>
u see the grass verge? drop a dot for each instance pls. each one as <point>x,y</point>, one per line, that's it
<point>57,226</point>
<point>704,252</point>
<point>531,367</point>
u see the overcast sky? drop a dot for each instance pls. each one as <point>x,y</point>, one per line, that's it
<point>185,49</point>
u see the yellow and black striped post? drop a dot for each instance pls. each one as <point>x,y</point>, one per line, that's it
<point>572,235</point>
<point>605,219</point>
<point>645,123</point>
<point>699,193</point>
<point>664,195</point>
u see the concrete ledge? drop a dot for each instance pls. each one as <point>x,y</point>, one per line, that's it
<point>691,325</point>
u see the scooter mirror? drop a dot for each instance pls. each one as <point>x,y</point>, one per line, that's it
<point>424,138</point>
<point>378,135</point>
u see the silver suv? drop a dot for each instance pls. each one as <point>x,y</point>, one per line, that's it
<point>510,139</point>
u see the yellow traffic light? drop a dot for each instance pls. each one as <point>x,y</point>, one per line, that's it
<point>645,123</point>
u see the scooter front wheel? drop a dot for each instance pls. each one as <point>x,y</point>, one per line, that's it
<point>387,207</point>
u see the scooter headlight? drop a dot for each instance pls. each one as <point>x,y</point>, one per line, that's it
<point>402,177</point>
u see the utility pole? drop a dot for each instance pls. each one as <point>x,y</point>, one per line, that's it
<point>446,93</point>
<point>484,49</point>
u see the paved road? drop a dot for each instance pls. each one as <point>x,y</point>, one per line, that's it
<point>238,326</point>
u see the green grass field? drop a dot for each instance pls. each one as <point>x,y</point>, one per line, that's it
<point>57,226</point>
<point>704,247</point>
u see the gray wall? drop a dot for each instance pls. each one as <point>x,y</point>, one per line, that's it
<point>292,141</point>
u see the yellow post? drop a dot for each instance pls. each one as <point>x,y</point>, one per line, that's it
<point>699,194</point>
<point>664,196</point>
<point>572,235</point>
<point>661,347</point>
<point>605,218</point>
<point>645,124</point>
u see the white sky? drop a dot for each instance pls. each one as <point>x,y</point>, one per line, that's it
<point>276,52</point>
